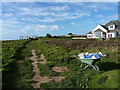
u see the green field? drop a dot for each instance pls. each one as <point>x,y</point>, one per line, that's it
<point>17,70</point>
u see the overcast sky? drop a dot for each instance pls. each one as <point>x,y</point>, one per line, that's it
<point>39,18</point>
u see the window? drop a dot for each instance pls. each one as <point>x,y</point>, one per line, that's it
<point>97,34</point>
<point>109,35</point>
<point>111,27</point>
<point>89,36</point>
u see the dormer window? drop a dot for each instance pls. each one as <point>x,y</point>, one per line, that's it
<point>111,27</point>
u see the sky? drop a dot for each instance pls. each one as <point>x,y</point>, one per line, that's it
<point>56,18</point>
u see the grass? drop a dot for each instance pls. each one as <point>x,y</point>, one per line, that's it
<point>76,77</point>
<point>58,52</point>
<point>16,68</point>
<point>74,80</point>
<point>106,80</point>
<point>47,71</point>
<point>25,72</point>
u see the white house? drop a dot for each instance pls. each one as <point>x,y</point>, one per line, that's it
<point>110,30</point>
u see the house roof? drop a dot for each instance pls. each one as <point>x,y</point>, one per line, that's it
<point>116,22</point>
<point>100,28</point>
<point>105,27</point>
<point>97,30</point>
<point>89,32</point>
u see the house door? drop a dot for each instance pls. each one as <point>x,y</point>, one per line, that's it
<point>104,35</point>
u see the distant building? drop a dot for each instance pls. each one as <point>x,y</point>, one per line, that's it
<point>110,30</point>
<point>77,36</point>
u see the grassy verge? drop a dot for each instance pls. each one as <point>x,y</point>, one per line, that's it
<point>16,69</point>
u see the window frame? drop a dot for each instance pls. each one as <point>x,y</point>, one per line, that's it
<point>110,35</point>
<point>111,27</point>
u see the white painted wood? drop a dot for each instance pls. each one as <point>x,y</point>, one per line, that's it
<point>114,34</point>
<point>89,35</point>
<point>100,27</point>
<point>111,28</point>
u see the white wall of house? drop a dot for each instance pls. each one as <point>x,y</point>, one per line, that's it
<point>98,34</point>
<point>89,35</point>
<point>103,33</point>
<point>118,34</point>
<point>111,35</point>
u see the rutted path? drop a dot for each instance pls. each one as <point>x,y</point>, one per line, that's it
<point>39,79</point>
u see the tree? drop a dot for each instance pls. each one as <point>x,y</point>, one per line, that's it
<point>48,35</point>
<point>70,34</point>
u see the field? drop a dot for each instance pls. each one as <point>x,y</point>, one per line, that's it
<point>48,63</point>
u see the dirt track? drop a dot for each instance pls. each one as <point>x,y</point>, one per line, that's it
<point>39,79</point>
<point>60,69</point>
